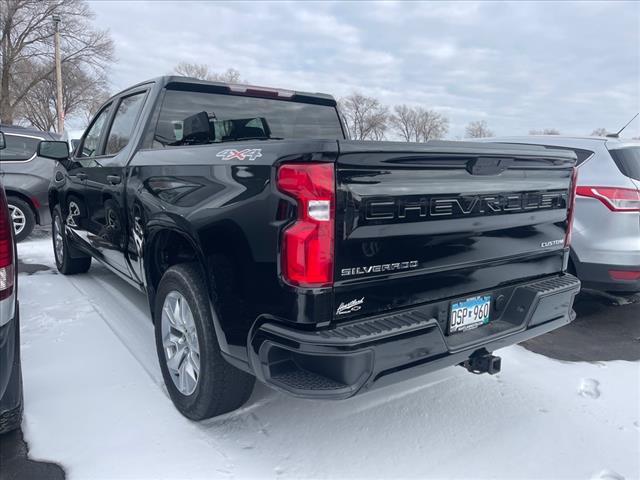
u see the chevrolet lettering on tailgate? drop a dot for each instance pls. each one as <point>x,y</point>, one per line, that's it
<point>409,208</point>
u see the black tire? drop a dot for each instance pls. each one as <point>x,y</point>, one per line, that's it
<point>72,261</point>
<point>220,387</point>
<point>11,419</point>
<point>28,214</point>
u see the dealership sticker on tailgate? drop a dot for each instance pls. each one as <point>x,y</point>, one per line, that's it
<point>469,313</point>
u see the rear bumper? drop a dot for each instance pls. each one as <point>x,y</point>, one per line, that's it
<point>597,277</point>
<point>353,357</point>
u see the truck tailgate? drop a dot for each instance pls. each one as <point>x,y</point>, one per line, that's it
<point>417,223</point>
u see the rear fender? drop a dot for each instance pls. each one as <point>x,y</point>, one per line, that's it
<point>156,228</point>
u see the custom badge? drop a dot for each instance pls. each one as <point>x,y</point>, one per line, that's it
<point>246,154</point>
<point>352,306</point>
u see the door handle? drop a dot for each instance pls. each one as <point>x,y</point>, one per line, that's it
<point>80,176</point>
<point>114,179</point>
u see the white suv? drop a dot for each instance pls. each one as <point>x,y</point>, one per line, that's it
<point>605,247</point>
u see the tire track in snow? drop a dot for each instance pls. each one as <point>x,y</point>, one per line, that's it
<point>107,318</point>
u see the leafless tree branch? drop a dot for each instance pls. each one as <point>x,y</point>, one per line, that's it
<point>366,118</point>
<point>26,49</point>
<point>478,129</point>
<point>201,71</point>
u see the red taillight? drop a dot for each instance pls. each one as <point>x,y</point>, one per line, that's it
<point>6,249</point>
<point>307,244</point>
<point>624,274</point>
<point>571,206</point>
<point>615,199</point>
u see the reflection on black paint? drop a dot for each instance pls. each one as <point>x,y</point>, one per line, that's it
<point>172,190</point>
<point>111,230</point>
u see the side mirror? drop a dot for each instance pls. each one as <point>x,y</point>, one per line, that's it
<point>55,150</point>
<point>3,142</point>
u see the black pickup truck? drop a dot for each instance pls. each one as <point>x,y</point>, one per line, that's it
<point>270,246</point>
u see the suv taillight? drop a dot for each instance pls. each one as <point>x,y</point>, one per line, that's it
<point>615,199</point>
<point>308,243</point>
<point>6,249</point>
<point>572,206</point>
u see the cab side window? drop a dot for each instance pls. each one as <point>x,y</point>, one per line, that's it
<point>123,123</point>
<point>91,141</point>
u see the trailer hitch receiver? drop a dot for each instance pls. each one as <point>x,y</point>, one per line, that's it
<point>483,363</point>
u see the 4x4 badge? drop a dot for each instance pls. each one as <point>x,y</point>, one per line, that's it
<point>246,154</point>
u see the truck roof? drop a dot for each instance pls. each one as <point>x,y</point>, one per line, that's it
<point>239,88</point>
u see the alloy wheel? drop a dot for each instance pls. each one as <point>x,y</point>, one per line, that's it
<point>180,343</point>
<point>74,212</point>
<point>18,218</point>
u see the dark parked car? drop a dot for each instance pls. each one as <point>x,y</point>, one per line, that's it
<point>10,371</point>
<point>26,178</point>
<point>270,246</point>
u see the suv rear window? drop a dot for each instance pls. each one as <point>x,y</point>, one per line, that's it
<point>19,148</point>
<point>628,161</point>
<point>582,155</point>
<point>195,118</point>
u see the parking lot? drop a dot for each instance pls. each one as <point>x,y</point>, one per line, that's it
<point>565,406</point>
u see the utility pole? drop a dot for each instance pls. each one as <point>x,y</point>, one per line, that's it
<point>60,111</point>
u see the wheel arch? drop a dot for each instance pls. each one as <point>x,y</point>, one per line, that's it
<point>54,199</point>
<point>166,246</point>
<point>177,245</point>
<point>170,244</point>
<point>11,192</point>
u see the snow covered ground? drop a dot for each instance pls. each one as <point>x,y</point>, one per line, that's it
<point>96,404</point>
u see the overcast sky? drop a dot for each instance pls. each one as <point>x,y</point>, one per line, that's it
<point>519,66</point>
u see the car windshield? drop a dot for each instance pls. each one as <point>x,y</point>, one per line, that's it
<point>192,118</point>
<point>628,161</point>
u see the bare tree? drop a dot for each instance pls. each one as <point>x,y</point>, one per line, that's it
<point>26,46</point>
<point>366,118</point>
<point>418,124</point>
<point>430,125</point>
<point>599,132</point>
<point>230,75</point>
<point>93,104</point>
<point>201,71</point>
<point>82,94</point>
<point>379,133</point>
<point>546,131</point>
<point>195,70</point>
<point>403,121</point>
<point>478,129</point>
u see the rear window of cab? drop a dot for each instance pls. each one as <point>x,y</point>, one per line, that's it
<point>201,117</point>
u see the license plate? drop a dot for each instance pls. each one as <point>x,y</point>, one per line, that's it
<point>470,313</point>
